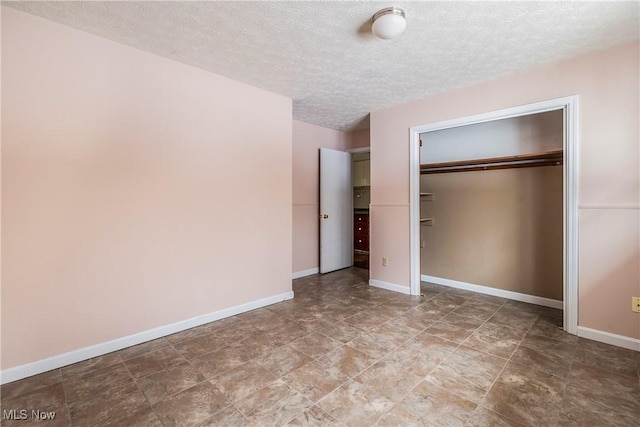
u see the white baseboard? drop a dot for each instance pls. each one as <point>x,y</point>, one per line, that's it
<point>390,286</point>
<point>609,338</point>
<point>546,302</point>
<point>58,361</point>
<point>304,273</point>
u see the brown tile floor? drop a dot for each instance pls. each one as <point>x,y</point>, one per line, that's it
<point>361,259</point>
<point>343,353</point>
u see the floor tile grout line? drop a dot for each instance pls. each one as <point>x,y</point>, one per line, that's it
<point>177,392</point>
<point>502,370</point>
<point>83,377</point>
<point>519,342</point>
<point>329,308</point>
<point>400,344</point>
<point>301,391</point>
<point>32,390</point>
<point>482,324</point>
<point>64,391</point>
<point>359,372</point>
<point>142,392</point>
<point>564,392</point>
<point>421,380</point>
<point>464,397</point>
<point>188,362</point>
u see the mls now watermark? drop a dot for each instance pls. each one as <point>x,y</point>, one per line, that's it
<point>25,414</point>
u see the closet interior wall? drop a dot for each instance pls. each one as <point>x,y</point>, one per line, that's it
<point>496,228</point>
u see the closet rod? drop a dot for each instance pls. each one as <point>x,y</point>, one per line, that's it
<point>550,158</point>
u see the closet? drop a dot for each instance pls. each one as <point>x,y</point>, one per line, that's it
<point>491,205</point>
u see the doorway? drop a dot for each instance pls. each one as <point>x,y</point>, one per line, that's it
<point>568,106</point>
<point>336,210</point>
<point>361,180</point>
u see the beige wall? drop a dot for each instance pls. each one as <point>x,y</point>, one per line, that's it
<point>497,228</point>
<point>307,141</point>
<point>135,191</point>
<point>609,189</point>
<point>358,138</point>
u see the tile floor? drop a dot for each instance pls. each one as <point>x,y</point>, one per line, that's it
<point>361,259</point>
<point>343,353</point>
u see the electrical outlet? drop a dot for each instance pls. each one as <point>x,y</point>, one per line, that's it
<point>422,243</point>
<point>385,261</point>
<point>635,304</point>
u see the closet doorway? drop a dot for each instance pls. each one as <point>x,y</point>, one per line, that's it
<point>452,164</point>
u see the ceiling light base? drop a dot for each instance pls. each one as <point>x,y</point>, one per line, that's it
<point>389,23</point>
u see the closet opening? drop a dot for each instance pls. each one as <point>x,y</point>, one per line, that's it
<point>493,205</point>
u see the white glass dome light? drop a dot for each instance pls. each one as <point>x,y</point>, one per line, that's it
<point>389,23</point>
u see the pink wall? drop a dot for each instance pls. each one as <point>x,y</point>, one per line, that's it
<point>307,141</point>
<point>609,173</point>
<point>135,191</point>
<point>358,138</point>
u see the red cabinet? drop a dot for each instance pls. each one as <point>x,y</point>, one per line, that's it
<point>361,232</point>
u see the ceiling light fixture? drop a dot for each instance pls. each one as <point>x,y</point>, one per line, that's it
<point>389,23</point>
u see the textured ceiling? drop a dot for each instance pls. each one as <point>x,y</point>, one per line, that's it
<point>323,56</point>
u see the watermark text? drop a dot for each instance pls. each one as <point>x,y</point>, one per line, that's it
<point>28,414</point>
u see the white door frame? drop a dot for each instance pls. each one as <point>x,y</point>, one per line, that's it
<point>569,106</point>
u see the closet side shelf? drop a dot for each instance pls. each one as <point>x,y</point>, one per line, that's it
<point>426,221</point>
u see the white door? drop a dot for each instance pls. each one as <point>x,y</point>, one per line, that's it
<point>336,210</point>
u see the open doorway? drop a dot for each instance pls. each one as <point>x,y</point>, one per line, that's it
<point>361,180</point>
<point>344,209</point>
<point>568,108</point>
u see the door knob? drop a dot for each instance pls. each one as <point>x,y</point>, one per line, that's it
<point>324,216</point>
